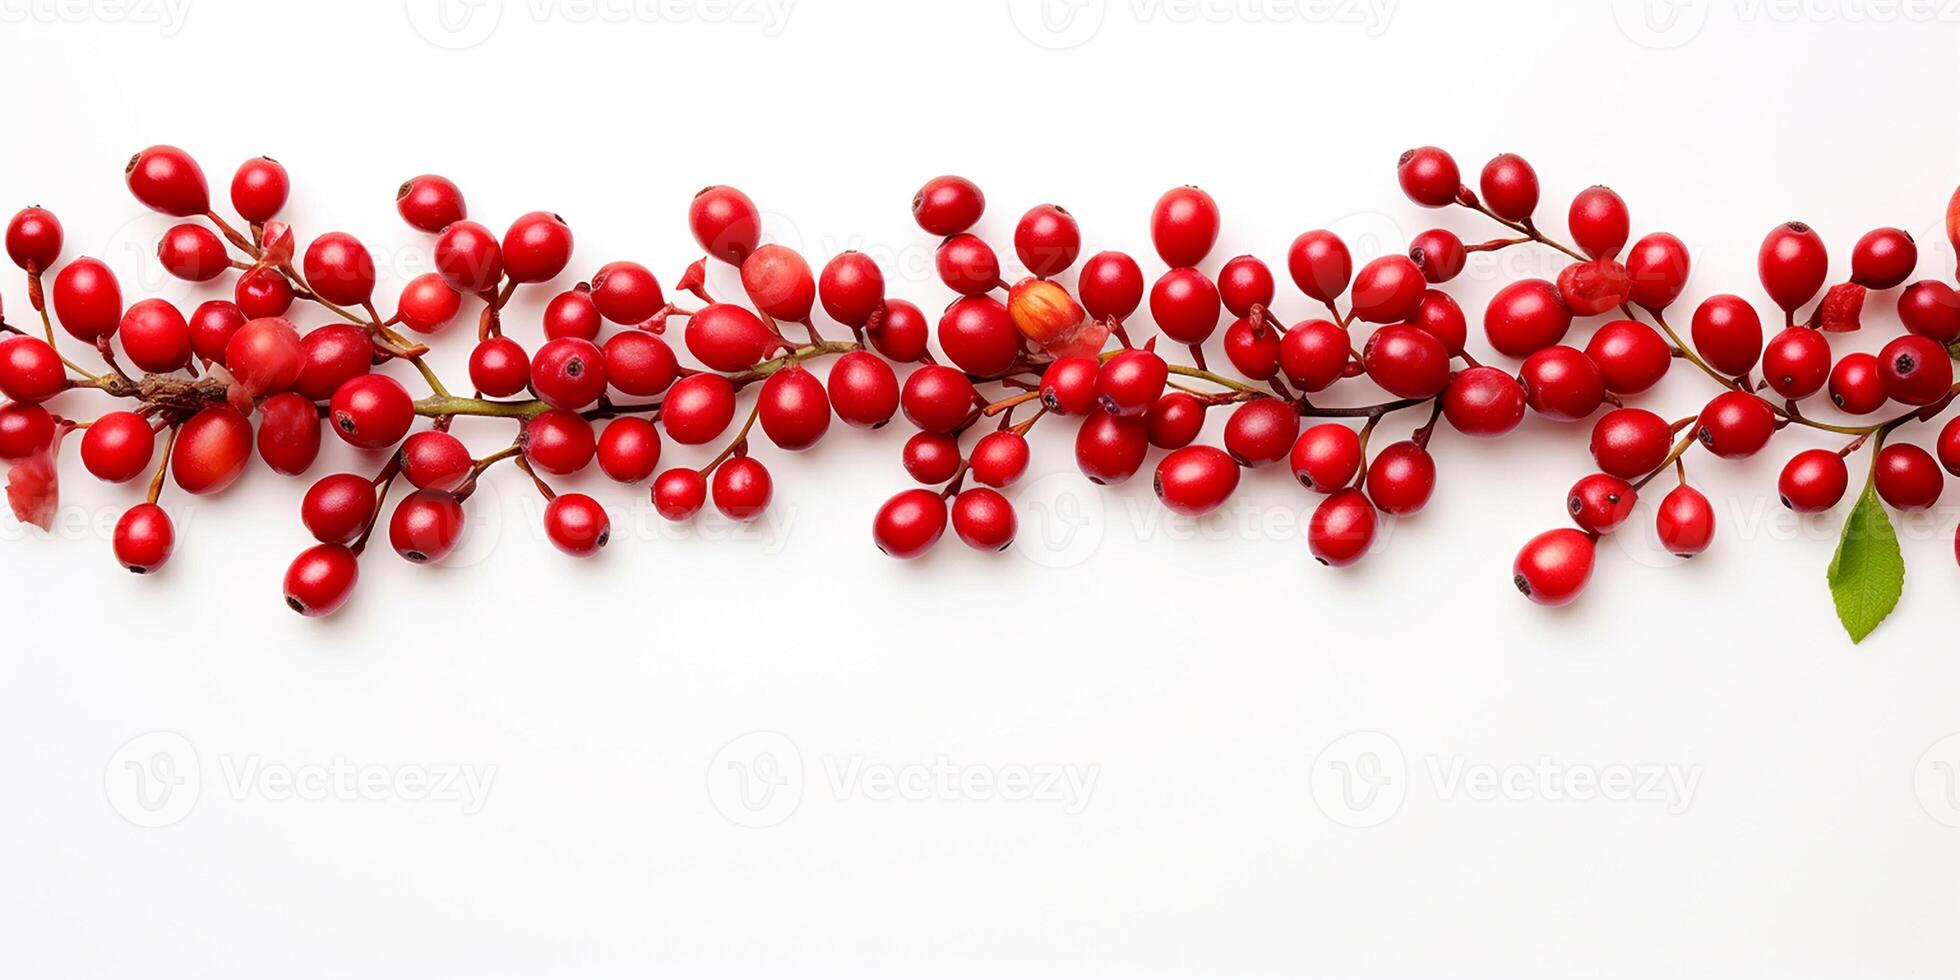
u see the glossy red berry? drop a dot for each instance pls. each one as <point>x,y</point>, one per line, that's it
<point>1429,176</point>
<point>1320,265</point>
<point>909,524</point>
<point>1792,264</point>
<point>1949,446</point>
<point>321,579</point>
<point>931,457</point>
<point>30,370</point>
<point>1735,425</point>
<point>1510,187</point>
<point>779,282</point>
<point>1856,387</point>
<point>1196,480</point>
<point>1728,334</point>
<point>265,356</point>
<point>1047,240</point>
<point>212,449</point>
<point>937,398</point>
<point>536,247</point>
<point>34,239</point>
<point>1439,254</point>
<point>967,265</point>
<point>794,409</point>
<point>1185,303</point>
<point>741,488</point>
<point>1883,258</point>
<point>192,253</point>
<point>1562,384</point>
<point>1184,226</point>
<point>1326,457</point>
<point>1630,355</point>
<point>999,458</point>
<point>289,433</point>
<point>725,223</point>
<point>259,189</point>
<point>1131,381</point>
<point>499,367</point>
<point>569,372</point>
<point>155,336</point>
<point>852,287</point>
<point>1685,522</point>
<point>24,430</point>
<point>87,299</point>
<point>117,447</point>
<point>1598,219</point>
<point>1313,354</point>
<point>572,313</point>
<point>1261,431</point>
<point>1401,478</point>
<point>144,538</point>
<point>1072,385</point>
<point>984,519</point>
<point>1253,348</point>
<point>678,493</point>
<point>1406,362</point>
<point>262,293</point>
<point>1657,270</point>
<point>430,203</point>
<point>898,330</point>
<point>1109,449</point>
<point>640,364</point>
<point>1813,481</point>
<point>629,449</point>
<point>698,408</point>
<point>1483,402</point>
<point>978,336</point>
<point>559,442</point>
<point>1797,362</point>
<point>863,390</point>
<point>1594,287</point>
<point>1388,290</point>
<point>1631,442</point>
<point>1440,317</point>
<point>948,205</point>
<point>1931,308</point>
<point>212,325</point>
<point>337,508</point>
<point>1341,529</point>
<point>436,460</point>
<point>468,257</point>
<point>727,337</point>
<point>339,268</point>
<point>428,304</point>
<point>1110,286</point>
<point>1244,283</point>
<point>1907,477</point>
<point>372,411</point>
<point>1526,317</point>
<point>426,526</point>
<point>166,179</point>
<point>1554,567</point>
<point>1600,503</point>
<point>1915,370</point>
<point>577,525</point>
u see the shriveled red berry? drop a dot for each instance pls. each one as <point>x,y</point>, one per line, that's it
<point>1429,176</point>
<point>1631,442</point>
<point>1598,219</point>
<point>1195,480</point>
<point>1600,503</point>
<point>1813,481</point>
<point>321,579</point>
<point>1594,287</point>
<point>1400,478</point>
<point>909,524</point>
<point>1554,567</point>
<point>1526,317</point>
<point>1792,264</point>
<point>577,525</point>
<point>1735,425</point>
<point>1727,334</point>
<point>1184,226</point>
<point>1483,402</point>
<point>1341,529</point>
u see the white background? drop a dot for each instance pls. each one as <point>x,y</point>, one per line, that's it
<point>1194,673</point>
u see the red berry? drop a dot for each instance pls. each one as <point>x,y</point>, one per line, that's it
<point>1185,305</point>
<point>1685,522</point>
<point>638,363</point>
<point>212,449</point>
<point>629,449</point>
<point>30,370</point>
<point>1562,384</point>
<point>1600,503</point>
<point>967,265</point>
<point>559,442</point>
<point>1554,567</point>
<point>262,293</point>
<point>1792,264</point>
<point>265,356</point>
<point>1510,187</point>
<point>984,519</point>
<point>852,288</point>
<point>1883,258</point>
<point>1131,381</point>
<point>1341,529</point>
<point>24,430</point>
<point>1907,477</point>
<point>898,331</point>
<point>192,253</point>
<point>1813,481</point>
<point>1931,308</point>
<point>795,411</point>
<point>337,508</point>
<point>426,526</point>
<point>698,408</point>
<point>931,457</point>
<point>725,223</point>
<point>321,579</point>
<point>1261,431</point>
<point>144,538</point>
<point>427,303</point>
<point>1407,362</point>
<point>1253,348</point>
<point>259,189</point>
<point>1631,442</point>
<point>1592,288</point>
<point>1196,480</point>
<point>999,458</point>
<point>679,493</point>
<point>742,488</point>
<point>627,293</point>
<point>537,247</point>
<point>1630,355</point>
<point>1401,478</point>
<point>1175,420</point>
<point>1526,317</point>
<point>211,326</point>
<point>1072,385</point>
<point>34,239</point>
<point>1047,240</point>
<point>1483,402</point>
<point>339,269</point>
<point>1439,254</point>
<point>1314,354</point>
<point>372,411</point>
<point>863,390</point>
<point>430,203</point>
<point>117,447</point>
<point>1657,269</point>
<point>1244,283</point>
<point>1184,226</point>
<point>1728,334</point>
<point>1388,290</point>
<point>1326,457</point>
<point>937,398</point>
<point>1735,425</point>
<point>1598,220</point>
<point>779,282</point>
<point>1856,386</point>
<point>569,372</point>
<point>1110,448</point>
<point>577,525</point>
<point>1320,265</point>
<point>978,336</point>
<point>166,179</point>
<point>436,460</point>
<point>727,337</point>
<point>1797,362</point>
<point>468,257</point>
<point>948,205</point>
<point>155,336</point>
<point>572,313</point>
<point>909,524</point>
<point>1429,176</point>
<point>87,299</point>
<point>1110,286</point>
<point>499,367</point>
<point>1915,370</point>
<point>289,433</point>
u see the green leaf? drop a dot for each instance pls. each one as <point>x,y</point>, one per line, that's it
<point>1867,574</point>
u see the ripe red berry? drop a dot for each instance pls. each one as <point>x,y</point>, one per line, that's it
<point>1735,425</point>
<point>999,458</point>
<point>1439,254</point>
<point>259,189</point>
<point>1657,269</point>
<point>852,287</point>
<point>577,525</point>
<point>1598,219</point>
<point>1195,480</point>
<point>1727,334</point>
<point>1631,442</point>
<point>1341,529</point>
<point>117,447</point>
<point>569,372</point>
<point>1797,362</point>
<point>1813,481</point>
<point>863,390</point>
<point>1244,283</point>
<point>1388,290</point>
<point>678,493</point>
<point>30,370</point>
<point>372,411</point>
<point>430,203</point>
<point>638,363</point>
<point>978,335</point>
<point>1510,187</point>
<point>34,239</point>
<point>559,442</point>
<point>1326,457</point>
<point>984,519</point>
<point>426,526</point>
<point>898,331</point>
<point>87,299</point>
<point>536,247</point>
<point>1600,503</point>
<point>427,303</point>
<point>967,265</point>
<point>321,579</point>
<point>1592,288</point>
<point>1185,303</point>
<point>1314,354</point>
<point>262,293</point>
<point>265,356</point>
<point>698,408</point>
<point>1915,370</point>
<point>1072,385</point>
<point>211,326</point>
<point>794,410</point>
<point>1175,420</point>
<point>1554,567</point>
<point>1429,176</point>
<point>1907,477</point>
<point>468,257</point>
<point>337,508</point>
<point>1406,362</point>
<point>24,430</point>
<point>725,223</point>
<point>1931,308</point>
<point>155,336</point>
<point>1401,478</point>
<point>499,367</point>
<point>289,433</point>
<point>1685,522</point>
<point>937,398</point>
<point>727,337</point>
<point>1047,240</point>
<point>1526,317</point>
<point>1110,448</point>
<point>1253,348</point>
<point>572,313</point>
<point>436,460</point>
<point>1631,356</point>
<point>1562,384</point>
<point>909,524</point>
<point>948,205</point>
<point>192,253</point>
<point>212,449</point>
<point>1184,226</point>
<point>629,449</point>
<point>1131,381</point>
<point>779,282</point>
<point>1883,258</point>
<point>1484,402</point>
<point>339,269</point>
<point>144,538</point>
<point>166,179</point>
<point>931,457</point>
<point>1856,387</point>
<point>1320,265</point>
<point>1792,264</point>
<point>1110,286</point>
<point>741,488</point>
<point>1261,431</point>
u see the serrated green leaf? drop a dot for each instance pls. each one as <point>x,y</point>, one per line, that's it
<point>1868,573</point>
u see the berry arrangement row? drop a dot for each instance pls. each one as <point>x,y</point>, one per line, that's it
<point>205,392</point>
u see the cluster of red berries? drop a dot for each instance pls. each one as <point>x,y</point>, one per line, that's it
<point>1038,348</point>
